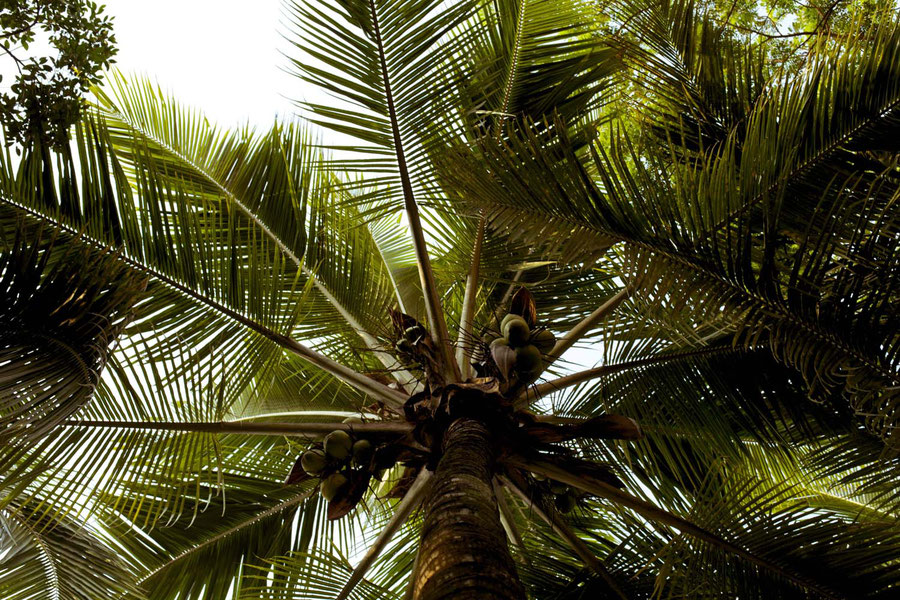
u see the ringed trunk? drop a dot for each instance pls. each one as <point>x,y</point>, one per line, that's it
<point>463,553</point>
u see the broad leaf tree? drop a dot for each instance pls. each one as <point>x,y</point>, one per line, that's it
<point>587,301</point>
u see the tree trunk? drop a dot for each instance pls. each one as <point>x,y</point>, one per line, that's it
<point>463,553</point>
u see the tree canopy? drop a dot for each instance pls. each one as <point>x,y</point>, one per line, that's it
<point>690,198</point>
<point>45,99</point>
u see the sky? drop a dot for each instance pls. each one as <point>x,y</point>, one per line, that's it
<point>223,56</point>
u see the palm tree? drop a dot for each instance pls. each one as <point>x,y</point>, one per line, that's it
<point>189,310</point>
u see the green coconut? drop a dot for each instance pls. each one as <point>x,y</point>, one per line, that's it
<point>489,337</point>
<point>544,340</point>
<point>338,444</point>
<point>528,358</point>
<point>314,462</point>
<point>332,485</point>
<point>362,452</point>
<point>529,377</point>
<point>516,331</point>
<point>529,364</point>
<point>565,503</point>
<point>509,318</point>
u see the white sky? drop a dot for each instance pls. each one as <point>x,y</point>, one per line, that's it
<point>223,56</point>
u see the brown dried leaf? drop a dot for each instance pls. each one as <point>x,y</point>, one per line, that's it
<point>404,483</point>
<point>586,468</point>
<point>402,322</point>
<point>297,474</point>
<point>612,427</point>
<point>504,357</point>
<point>347,498</point>
<point>485,385</point>
<point>522,304</point>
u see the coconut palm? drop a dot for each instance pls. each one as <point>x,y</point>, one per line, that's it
<point>191,314</point>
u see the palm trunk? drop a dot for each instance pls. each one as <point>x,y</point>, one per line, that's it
<point>463,553</point>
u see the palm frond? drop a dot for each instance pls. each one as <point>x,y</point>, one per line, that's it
<point>796,298</point>
<point>378,62</point>
<point>60,558</point>
<point>65,304</point>
<point>276,183</point>
<point>203,557</point>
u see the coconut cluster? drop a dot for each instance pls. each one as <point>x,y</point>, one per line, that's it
<point>333,459</point>
<point>529,346</point>
<point>564,497</point>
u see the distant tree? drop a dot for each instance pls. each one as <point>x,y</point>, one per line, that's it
<point>46,98</point>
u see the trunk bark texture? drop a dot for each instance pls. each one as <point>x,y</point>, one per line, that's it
<point>463,553</point>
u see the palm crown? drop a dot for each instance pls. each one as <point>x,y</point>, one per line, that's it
<point>188,310</point>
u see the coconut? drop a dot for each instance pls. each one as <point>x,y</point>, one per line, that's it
<point>544,340</point>
<point>565,503</point>
<point>354,420</point>
<point>362,452</point>
<point>489,337</point>
<point>338,444</point>
<point>516,331</point>
<point>509,318</point>
<point>529,377</point>
<point>314,462</point>
<point>528,358</point>
<point>529,364</point>
<point>332,485</point>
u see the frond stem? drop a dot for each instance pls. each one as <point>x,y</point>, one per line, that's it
<point>539,391</point>
<point>588,323</point>
<point>52,567</point>
<point>566,533</point>
<point>467,317</point>
<point>220,536</point>
<point>411,499</point>
<point>433,310</point>
<point>776,309</point>
<point>804,166</point>
<point>390,397</point>
<point>354,324</point>
<point>506,517</point>
<point>224,427</point>
<point>513,63</point>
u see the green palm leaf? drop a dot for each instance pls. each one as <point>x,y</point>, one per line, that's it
<point>65,305</point>
<point>66,559</point>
